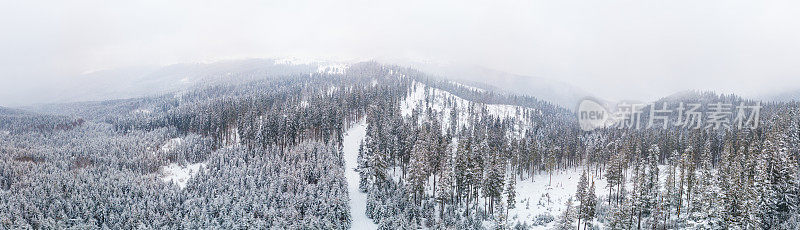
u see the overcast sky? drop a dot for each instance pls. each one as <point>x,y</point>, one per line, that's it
<point>632,49</point>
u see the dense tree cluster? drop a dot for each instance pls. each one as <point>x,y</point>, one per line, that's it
<point>270,146</point>
<point>270,151</point>
<point>657,178</point>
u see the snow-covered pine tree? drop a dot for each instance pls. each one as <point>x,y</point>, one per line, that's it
<point>444,193</point>
<point>670,195</point>
<point>651,187</point>
<point>511,193</point>
<point>620,216</point>
<point>493,181</point>
<point>580,196</point>
<point>418,171</point>
<point>363,167</point>
<point>614,176</point>
<point>688,178</point>
<point>590,207</point>
<point>751,194</point>
<point>567,219</point>
<point>639,191</point>
<point>729,196</point>
<point>779,188</point>
<point>704,201</point>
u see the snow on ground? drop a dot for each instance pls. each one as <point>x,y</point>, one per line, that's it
<point>174,173</point>
<point>439,104</point>
<point>358,200</point>
<point>538,195</point>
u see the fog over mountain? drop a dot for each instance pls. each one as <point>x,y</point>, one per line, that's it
<point>547,89</point>
<point>130,82</point>
<point>636,50</point>
<point>141,81</point>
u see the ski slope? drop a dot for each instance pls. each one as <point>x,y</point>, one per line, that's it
<point>358,200</point>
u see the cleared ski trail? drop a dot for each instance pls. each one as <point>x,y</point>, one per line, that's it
<point>358,200</point>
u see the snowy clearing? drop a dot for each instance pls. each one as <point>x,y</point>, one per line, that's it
<point>539,195</point>
<point>179,175</point>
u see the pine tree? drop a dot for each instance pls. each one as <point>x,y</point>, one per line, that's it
<point>364,168</point>
<point>417,173</point>
<point>779,188</point>
<point>752,189</point>
<point>705,203</point>
<point>511,192</point>
<point>651,187</point>
<point>638,200</point>
<point>619,216</point>
<point>671,197</point>
<point>687,180</point>
<point>580,196</point>
<point>567,219</point>
<point>590,207</point>
<point>729,196</point>
<point>614,175</point>
<point>493,182</point>
<point>445,187</point>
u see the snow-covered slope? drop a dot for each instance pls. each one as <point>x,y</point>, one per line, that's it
<point>443,103</point>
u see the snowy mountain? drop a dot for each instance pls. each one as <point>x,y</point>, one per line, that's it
<point>143,81</point>
<point>559,93</point>
<point>132,82</point>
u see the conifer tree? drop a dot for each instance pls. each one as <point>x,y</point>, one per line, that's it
<point>580,196</point>
<point>511,193</point>
<point>567,218</point>
<point>590,207</point>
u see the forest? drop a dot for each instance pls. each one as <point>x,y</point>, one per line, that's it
<point>436,154</point>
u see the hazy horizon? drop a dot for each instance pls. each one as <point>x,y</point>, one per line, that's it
<point>639,50</point>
